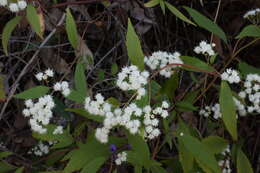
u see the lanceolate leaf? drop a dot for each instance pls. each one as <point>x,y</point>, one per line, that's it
<point>8,29</point>
<point>200,152</point>
<point>206,23</point>
<point>196,65</point>
<point>134,49</point>
<point>178,14</point>
<point>140,147</point>
<point>80,80</point>
<point>152,3</point>
<point>243,164</point>
<point>246,69</point>
<point>228,110</point>
<point>249,31</point>
<point>216,144</point>
<point>71,30</point>
<point>94,165</point>
<point>33,19</point>
<point>33,93</point>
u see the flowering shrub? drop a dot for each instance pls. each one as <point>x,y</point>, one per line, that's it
<point>144,126</point>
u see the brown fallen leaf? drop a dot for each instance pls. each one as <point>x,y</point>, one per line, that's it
<point>85,55</point>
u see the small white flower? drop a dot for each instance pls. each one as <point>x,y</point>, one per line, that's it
<point>205,48</point>
<point>231,76</point>
<point>13,7</point>
<point>49,72</point>
<point>58,130</point>
<point>22,4</point>
<point>39,76</point>
<point>3,2</point>
<point>121,157</point>
<point>66,92</point>
<point>57,86</point>
<point>161,59</point>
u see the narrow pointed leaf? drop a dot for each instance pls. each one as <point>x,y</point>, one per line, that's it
<point>80,80</point>
<point>33,19</point>
<point>243,164</point>
<point>249,31</point>
<point>178,14</point>
<point>71,29</point>
<point>228,110</point>
<point>133,46</point>
<point>33,93</point>
<point>152,3</point>
<point>200,152</point>
<point>7,31</point>
<point>206,23</point>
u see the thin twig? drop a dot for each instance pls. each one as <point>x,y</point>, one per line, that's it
<point>25,69</point>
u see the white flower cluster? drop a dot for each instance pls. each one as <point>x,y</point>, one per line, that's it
<point>251,93</point>
<point>14,7</point>
<point>44,75</point>
<point>130,78</point>
<point>159,60</point>
<point>40,149</point>
<point>225,163</point>
<point>63,87</point>
<point>208,110</point>
<point>40,113</point>
<point>250,96</point>
<point>121,157</point>
<point>151,123</point>
<point>230,75</point>
<point>58,130</point>
<point>252,13</point>
<point>205,48</point>
<point>128,117</point>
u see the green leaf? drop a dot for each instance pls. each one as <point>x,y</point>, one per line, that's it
<point>200,152</point>
<point>114,69</point>
<point>170,85</point>
<point>86,154</point>
<point>76,97</point>
<point>133,46</point>
<point>185,106</point>
<point>152,3</point>
<point>65,139</point>
<point>5,167</point>
<point>2,90</point>
<point>71,29</point>
<point>215,144</point>
<point>34,20</point>
<point>178,14</point>
<point>5,154</point>
<point>206,23</point>
<point>140,147</point>
<point>19,170</point>
<point>7,31</point>
<point>246,69</point>
<point>85,114</point>
<point>243,164</point>
<point>249,31</point>
<point>185,157</point>
<point>80,80</point>
<point>33,93</point>
<point>162,5</point>
<point>94,165</point>
<point>59,109</point>
<point>196,65</point>
<point>228,110</point>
